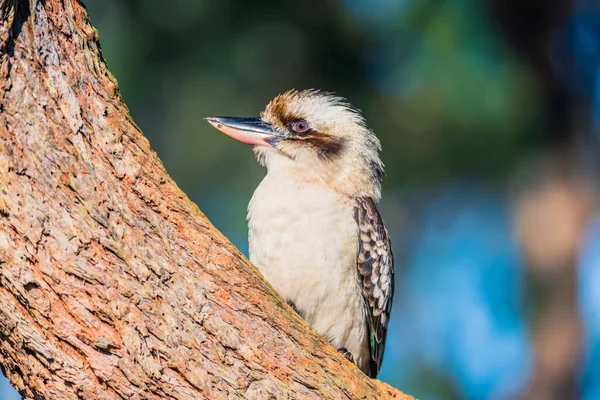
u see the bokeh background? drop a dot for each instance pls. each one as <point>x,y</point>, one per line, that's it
<point>489,116</point>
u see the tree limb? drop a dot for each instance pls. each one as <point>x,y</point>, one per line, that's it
<point>113,284</point>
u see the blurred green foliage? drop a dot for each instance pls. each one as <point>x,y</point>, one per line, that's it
<point>434,80</point>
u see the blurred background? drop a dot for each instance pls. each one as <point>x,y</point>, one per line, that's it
<point>489,116</point>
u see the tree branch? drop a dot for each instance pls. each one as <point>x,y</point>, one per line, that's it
<point>113,284</point>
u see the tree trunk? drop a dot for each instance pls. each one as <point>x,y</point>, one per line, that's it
<point>113,284</point>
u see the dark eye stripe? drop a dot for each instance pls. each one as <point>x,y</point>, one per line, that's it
<point>326,146</point>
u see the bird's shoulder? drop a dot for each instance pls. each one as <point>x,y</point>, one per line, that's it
<point>375,264</point>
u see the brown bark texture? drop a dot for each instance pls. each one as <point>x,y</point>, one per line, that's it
<point>113,284</point>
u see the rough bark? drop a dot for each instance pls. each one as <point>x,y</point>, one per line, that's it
<point>113,284</point>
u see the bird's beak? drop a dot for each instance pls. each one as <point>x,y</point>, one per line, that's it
<point>247,130</point>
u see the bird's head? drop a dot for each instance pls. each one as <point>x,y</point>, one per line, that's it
<point>315,136</point>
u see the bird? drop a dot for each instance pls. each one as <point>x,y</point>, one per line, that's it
<point>314,230</point>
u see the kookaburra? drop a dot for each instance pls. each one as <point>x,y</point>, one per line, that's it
<point>314,229</point>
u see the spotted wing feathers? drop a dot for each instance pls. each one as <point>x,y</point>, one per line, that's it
<point>376,276</point>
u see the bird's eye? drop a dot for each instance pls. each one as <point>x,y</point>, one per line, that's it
<point>300,126</point>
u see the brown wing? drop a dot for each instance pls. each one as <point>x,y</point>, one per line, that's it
<point>376,275</point>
